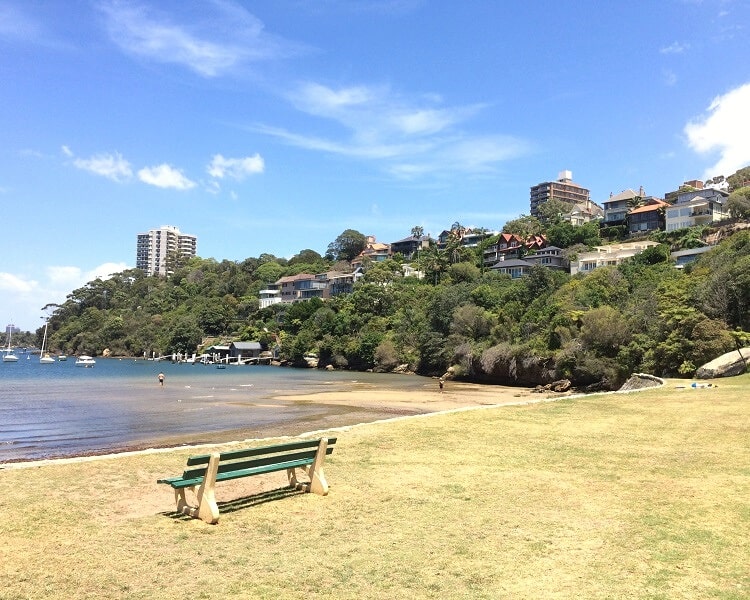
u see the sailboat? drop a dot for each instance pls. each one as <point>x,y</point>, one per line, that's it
<point>8,355</point>
<point>45,359</point>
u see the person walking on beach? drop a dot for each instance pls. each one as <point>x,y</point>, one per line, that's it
<point>161,379</point>
<point>441,383</point>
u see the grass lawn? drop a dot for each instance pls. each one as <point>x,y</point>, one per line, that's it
<point>641,495</point>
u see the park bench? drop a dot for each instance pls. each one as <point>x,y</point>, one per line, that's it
<point>202,472</point>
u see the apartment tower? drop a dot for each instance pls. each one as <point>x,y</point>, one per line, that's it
<point>563,190</point>
<point>158,245</point>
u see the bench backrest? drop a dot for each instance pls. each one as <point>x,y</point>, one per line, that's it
<point>249,458</point>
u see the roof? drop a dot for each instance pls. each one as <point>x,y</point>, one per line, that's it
<point>291,278</point>
<point>513,262</point>
<point>624,195</point>
<point>247,345</point>
<point>655,205</point>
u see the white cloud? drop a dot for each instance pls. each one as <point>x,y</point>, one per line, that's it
<point>111,166</point>
<point>165,176</point>
<point>226,36</point>
<point>725,129</point>
<point>235,168</point>
<point>409,138</point>
<point>67,151</point>
<point>674,48</point>
<point>10,283</point>
<point>23,297</point>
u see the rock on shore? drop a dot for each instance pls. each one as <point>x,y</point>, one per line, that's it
<point>727,365</point>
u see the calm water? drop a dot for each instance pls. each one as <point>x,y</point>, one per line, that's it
<point>60,410</point>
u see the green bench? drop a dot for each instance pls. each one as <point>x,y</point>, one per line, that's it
<point>203,471</point>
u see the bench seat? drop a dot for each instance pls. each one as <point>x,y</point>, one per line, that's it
<point>203,471</point>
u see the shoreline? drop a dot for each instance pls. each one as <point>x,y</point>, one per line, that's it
<point>358,407</point>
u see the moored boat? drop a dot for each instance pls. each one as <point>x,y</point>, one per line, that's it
<point>8,354</point>
<point>45,358</point>
<point>85,361</point>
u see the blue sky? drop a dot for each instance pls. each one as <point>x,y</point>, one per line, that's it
<point>271,127</point>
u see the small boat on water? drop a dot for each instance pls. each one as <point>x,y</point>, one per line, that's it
<point>62,357</point>
<point>45,358</point>
<point>8,354</point>
<point>85,361</point>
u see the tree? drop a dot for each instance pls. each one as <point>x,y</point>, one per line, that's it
<point>738,203</point>
<point>739,179</point>
<point>524,226</point>
<point>347,245</point>
<point>305,257</point>
<point>552,211</point>
<point>417,232</point>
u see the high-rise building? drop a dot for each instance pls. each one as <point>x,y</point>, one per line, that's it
<point>563,190</point>
<point>158,245</point>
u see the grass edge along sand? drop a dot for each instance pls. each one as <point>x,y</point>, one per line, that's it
<point>642,495</point>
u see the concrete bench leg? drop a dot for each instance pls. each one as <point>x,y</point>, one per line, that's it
<point>207,509</point>
<point>317,484</point>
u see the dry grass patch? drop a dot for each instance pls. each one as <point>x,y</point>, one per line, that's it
<point>642,495</point>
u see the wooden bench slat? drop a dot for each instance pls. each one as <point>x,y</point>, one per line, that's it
<point>202,459</point>
<point>204,471</point>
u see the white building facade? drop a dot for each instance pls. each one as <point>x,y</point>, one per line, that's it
<point>607,256</point>
<point>697,207</point>
<point>157,245</point>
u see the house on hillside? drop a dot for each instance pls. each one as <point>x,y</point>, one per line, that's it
<point>650,216</point>
<point>269,296</point>
<point>550,257</point>
<point>697,207</point>
<point>297,288</point>
<point>515,267</point>
<point>409,247</point>
<point>607,256</point>
<point>508,245</point>
<point>617,206</point>
<point>682,258</point>
<point>583,213</point>
<point>338,282</point>
<point>373,251</point>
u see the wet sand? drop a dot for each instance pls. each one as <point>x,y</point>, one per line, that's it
<point>345,408</point>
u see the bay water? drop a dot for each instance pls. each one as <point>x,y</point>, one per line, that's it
<point>63,410</point>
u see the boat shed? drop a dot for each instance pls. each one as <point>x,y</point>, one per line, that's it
<point>240,351</point>
<point>217,353</point>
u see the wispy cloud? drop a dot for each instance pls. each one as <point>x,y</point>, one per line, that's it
<point>16,25</point>
<point>217,43</point>
<point>670,77</point>
<point>410,138</point>
<point>165,176</point>
<point>674,48</point>
<point>235,168</point>
<point>112,166</point>
<point>724,129</point>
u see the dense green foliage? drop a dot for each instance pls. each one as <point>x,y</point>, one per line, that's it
<point>643,316</point>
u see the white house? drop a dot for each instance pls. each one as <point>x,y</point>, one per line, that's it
<point>697,207</point>
<point>606,256</point>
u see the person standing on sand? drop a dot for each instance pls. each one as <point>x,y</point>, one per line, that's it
<point>161,379</point>
<point>441,383</point>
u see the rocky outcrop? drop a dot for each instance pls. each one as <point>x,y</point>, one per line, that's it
<point>727,365</point>
<point>639,381</point>
<point>560,387</point>
<point>528,371</point>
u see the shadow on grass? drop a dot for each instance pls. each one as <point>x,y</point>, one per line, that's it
<point>230,506</point>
